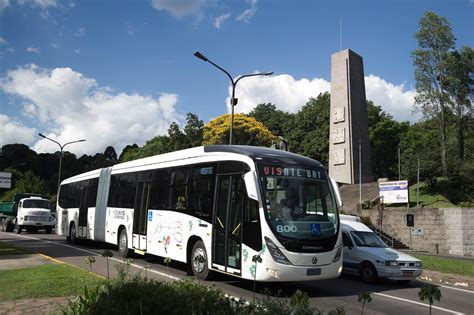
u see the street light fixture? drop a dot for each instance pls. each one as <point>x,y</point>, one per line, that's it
<point>233,100</point>
<point>61,154</point>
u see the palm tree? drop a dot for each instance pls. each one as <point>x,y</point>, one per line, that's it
<point>429,292</point>
<point>364,297</point>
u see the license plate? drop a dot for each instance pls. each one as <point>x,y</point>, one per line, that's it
<point>407,273</point>
<point>38,224</point>
<point>313,272</point>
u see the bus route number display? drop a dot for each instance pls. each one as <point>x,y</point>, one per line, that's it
<point>279,171</point>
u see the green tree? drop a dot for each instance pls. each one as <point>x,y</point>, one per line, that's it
<point>277,121</point>
<point>309,135</point>
<point>193,130</point>
<point>247,131</point>
<point>458,84</point>
<point>435,42</point>
<point>110,154</point>
<point>429,292</point>
<point>24,182</point>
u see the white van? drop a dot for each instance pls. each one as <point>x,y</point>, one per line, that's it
<point>365,254</point>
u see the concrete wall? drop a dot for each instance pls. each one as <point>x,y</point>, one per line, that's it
<point>447,231</point>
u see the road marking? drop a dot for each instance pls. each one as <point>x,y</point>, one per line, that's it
<point>447,287</point>
<point>418,303</point>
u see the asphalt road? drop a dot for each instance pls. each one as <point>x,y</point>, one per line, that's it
<point>387,297</point>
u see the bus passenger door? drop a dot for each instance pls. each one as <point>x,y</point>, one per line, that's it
<point>140,214</point>
<point>227,226</point>
<point>83,209</point>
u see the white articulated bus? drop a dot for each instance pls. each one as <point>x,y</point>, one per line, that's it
<point>214,208</point>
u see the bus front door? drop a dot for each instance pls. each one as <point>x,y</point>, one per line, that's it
<point>82,218</point>
<point>227,227</point>
<point>140,214</point>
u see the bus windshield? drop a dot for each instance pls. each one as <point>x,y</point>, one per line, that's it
<point>299,203</point>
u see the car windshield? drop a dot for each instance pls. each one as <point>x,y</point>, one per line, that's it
<point>367,239</point>
<point>299,203</point>
<point>37,203</point>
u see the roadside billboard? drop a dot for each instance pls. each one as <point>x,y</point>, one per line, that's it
<point>5,180</point>
<point>394,192</point>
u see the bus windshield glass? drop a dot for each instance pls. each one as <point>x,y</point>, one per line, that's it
<point>298,201</point>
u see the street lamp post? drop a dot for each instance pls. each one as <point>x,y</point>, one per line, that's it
<point>233,100</point>
<point>61,147</point>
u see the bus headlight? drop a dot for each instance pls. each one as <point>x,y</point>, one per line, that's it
<point>276,252</point>
<point>338,254</point>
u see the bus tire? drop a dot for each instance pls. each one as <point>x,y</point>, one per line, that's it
<point>368,273</point>
<point>123,244</point>
<point>72,234</point>
<point>199,262</point>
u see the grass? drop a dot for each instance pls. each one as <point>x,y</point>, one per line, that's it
<point>49,280</point>
<point>7,249</point>
<point>427,199</point>
<point>447,265</point>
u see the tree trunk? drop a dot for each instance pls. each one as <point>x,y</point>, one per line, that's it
<point>461,140</point>
<point>443,141</point>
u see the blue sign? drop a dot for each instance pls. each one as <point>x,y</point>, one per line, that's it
<point>150,216</point>
<point>315,229</point>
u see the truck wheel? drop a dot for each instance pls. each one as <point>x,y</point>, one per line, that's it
<point>48,230</point>
<point>123,244</point>
<point>9,226</point>
<point>368,273</point>
<point>199,261</point>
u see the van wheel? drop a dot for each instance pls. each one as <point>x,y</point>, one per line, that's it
<point>199,262</point>
<point>368,273</point>
<point>123,244</point>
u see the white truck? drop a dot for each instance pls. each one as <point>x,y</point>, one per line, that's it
<point>29,212</point>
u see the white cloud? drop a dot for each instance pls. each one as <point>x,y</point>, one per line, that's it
<point>54,45</point>
<point>179,8</point>
<point>395,100</point>
<point>249,13</point>
<point>3,41</point>
<point>78,51</point>
<point>218,21</point>
<point>3,5</point>
<point>289,94</point>
<point>14,131</point>
<point>70,106</point>
<point>39,3</point>
<point>283,91</point>
<point>33,50</point>
<point>80,32</point>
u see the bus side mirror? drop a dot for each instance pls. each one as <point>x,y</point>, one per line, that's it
<point>337,194</point>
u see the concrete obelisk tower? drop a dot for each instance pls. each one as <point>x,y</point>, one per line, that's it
<point>348,131</point>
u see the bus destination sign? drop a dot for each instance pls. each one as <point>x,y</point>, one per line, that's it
<point>279,171</point>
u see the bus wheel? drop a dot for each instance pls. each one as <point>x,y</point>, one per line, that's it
<point>368,273</point>
<point>72,234</point>
<point>199,263</point>
<point>123,244</point>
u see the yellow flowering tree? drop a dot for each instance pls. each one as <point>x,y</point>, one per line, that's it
<point>247,131</point>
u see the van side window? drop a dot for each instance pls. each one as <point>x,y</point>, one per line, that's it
<point>346,241</point>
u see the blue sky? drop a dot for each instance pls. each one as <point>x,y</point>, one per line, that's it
<point>119,72</point>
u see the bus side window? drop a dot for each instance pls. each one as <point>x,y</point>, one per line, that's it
<point>178,188</point>
<point>201,191</point>
<point>160,187</point>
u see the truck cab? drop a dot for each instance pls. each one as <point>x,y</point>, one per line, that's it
<point>34,213</point>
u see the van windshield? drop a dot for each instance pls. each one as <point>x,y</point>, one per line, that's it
<point>367,239</point>
<point>298,202</point>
